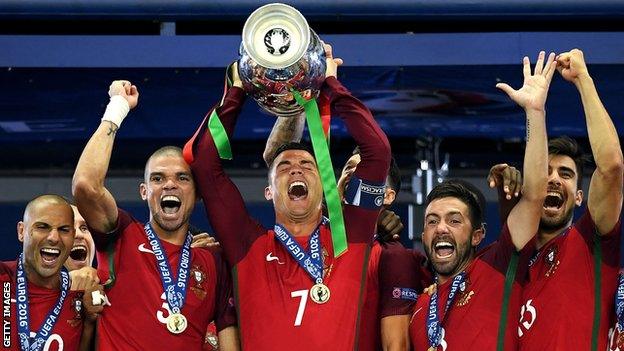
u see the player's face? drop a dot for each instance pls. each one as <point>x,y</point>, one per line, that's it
<point>295,186</point>
<point>347,171</point>
<point>563,194</point>
<point>169,191</point>
<point>448,236</point>
<point>48,235</point>
<point>83,251</point>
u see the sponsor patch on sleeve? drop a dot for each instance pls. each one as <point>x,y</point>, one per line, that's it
<point>364,194</point>
<point>404,294</point>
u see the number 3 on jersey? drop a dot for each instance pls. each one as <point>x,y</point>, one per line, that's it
<point>303,294</point>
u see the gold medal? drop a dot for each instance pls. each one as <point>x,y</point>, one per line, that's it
<point>432,348</point>
<point>319,293</point>
<point>176,323</point>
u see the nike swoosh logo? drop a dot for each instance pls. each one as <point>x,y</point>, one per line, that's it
<point>418,310</point>
<point>142,248</point>
<point>270,257</point>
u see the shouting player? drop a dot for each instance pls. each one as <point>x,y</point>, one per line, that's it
<point>475,304</point>
<point>291,292</point>
<point>162,291</point>
<point>45,314</point>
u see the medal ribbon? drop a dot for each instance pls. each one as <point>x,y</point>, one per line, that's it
<point>23,312</point>
<point>619,303</point>
<point>434,324</point>
<point>175,291</point>
<point>310,262</point>
<point>326,171</point>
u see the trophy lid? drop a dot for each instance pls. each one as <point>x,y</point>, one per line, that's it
<point>276,36</point>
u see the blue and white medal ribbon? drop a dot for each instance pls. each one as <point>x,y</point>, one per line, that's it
<point>619,303</point>
<point>23,312</point>
<point>311,262</point>
<point>174,291</point>
<point>434,324</point>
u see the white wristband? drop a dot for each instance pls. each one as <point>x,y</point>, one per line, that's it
<point>116,110</point>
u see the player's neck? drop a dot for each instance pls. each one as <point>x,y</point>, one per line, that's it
<point>299,227</point>
<point>544,236</point>
<point>444,278</point>
<point>53,282</point>
<point>175,237</point>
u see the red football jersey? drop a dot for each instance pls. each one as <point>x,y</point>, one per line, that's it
<point>68,328</point>
<point>395,277</point>
<point>472,321</point>
<point>272,291</point>
<point>558,300</point>
<point>136,319</point>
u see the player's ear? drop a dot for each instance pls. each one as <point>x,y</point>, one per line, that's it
<point>143,191</point>
<point>578,198</point>
<point>268,194</point>
<point>477,236</point>
<point>20,231</point>
<point>389,196</point>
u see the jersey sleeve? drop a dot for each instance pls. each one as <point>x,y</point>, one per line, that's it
<point>499,254</point>
<point>225,313</point>
<point>399,281</point>
<point>609,242</point>
<point>225,208</point>
<point>374,152</point>
<point>103,240</point>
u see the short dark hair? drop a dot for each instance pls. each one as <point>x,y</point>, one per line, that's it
<point>394,173</point>
<point>466,193</point>
<point>566,146</point>
<point>293,145</point>
<point>165,150</point>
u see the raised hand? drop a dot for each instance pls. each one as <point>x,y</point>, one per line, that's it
<point>125,89</point>
<point>83,278</point>
<point>389,226</point>
<point>332,63</point>
<point>532,95</point>
<point>571,65</point>
<point>506,178</point>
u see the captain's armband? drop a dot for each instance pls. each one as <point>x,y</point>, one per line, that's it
<point>364,194</point>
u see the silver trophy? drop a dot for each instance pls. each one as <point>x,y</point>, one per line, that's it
<point>280,53</point>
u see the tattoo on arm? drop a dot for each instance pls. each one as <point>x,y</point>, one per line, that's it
<point>528,130</point>
<point>112,130</point>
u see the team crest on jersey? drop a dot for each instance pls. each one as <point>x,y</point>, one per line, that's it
<point>198,277</point>
<point>465,294</point>
<point>76,307</point>
<point>552,260</point>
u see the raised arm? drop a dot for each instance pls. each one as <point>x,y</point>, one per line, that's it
<point>373,143</point>
<point>225,208</point>
<point>605,189</point>
<point>523,220</point>
<point>285,130</point>
<point>93,200</point>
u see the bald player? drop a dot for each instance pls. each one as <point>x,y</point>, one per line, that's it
<point>46,315</point>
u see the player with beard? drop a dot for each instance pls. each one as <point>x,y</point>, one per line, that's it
<point>281,304</point>
<point>145,260</point>
<point>569,300</point>
<point>477,298</point>
<point>45,314</point>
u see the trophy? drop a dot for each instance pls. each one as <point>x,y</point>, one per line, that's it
<point>280,53</point>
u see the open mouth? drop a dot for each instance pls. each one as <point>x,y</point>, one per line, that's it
<point>170,204</point>
<point>78,253</point>
<point>553,200</point>
<point>49,255</point>
<point>297,190</point>
<point>444,249</point>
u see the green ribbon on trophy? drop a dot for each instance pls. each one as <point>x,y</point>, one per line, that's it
<point>326,171</point>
